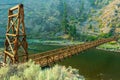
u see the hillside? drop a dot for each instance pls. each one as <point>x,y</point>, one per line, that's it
<point>110,16</point>
<point>46,19</point>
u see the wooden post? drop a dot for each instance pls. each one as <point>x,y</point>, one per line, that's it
<point>15,41</point>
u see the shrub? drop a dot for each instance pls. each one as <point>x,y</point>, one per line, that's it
<point>113,42</point>
<point>31,71</point>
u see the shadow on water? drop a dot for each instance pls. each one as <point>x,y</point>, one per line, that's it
<point>96,64</point>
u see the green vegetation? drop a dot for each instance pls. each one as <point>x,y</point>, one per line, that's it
<point>65,25</point>
<point>111,46</point>
<point>87,38</point>
<point>53,19</point>
<point>68,25</point>
<point>30,71</point>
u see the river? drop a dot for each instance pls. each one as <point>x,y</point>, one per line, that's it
<point>96,64</point>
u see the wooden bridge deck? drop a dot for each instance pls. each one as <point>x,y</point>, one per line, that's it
<point>49,57</point>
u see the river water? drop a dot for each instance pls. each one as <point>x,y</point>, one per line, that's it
<point>96,64</point>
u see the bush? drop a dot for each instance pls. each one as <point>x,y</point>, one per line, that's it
<point>113,42</point>
<point>31,71</point>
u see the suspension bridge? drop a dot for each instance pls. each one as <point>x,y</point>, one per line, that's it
<point>16,39</point>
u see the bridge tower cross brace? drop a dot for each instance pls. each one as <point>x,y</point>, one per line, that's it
<point>15,41</point>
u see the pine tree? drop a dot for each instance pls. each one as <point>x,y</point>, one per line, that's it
<point>64,20</point>
<point>72,28</point>
<point>90,26</point>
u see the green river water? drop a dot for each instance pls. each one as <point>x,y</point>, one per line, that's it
<point>96,64</point>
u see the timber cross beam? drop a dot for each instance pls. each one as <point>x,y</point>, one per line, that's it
<point>15,43</point>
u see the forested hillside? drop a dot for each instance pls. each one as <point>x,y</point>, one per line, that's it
<point>71,19</point>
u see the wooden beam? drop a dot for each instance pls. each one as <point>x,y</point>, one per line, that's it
<point>7,34</point>
<point>14,8</point>
<point>10,44</point>
<point>13,15</point>
<point>12,24</point>
<point>9,54</point>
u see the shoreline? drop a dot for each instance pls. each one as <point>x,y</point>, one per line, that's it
<point>111,48</point>
<point>107,50</point>
<point>105,47</point>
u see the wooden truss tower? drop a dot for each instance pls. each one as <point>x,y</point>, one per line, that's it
<point>15,43</point>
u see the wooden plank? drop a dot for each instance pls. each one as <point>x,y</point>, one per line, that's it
<point>13,15</point>
<point>7,34</point>
<point>47,55</point>
<point>14,8</point>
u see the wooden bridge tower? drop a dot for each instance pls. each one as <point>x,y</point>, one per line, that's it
<point>15,43</point>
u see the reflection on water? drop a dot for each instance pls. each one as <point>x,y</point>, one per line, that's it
<point>96,64</point>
